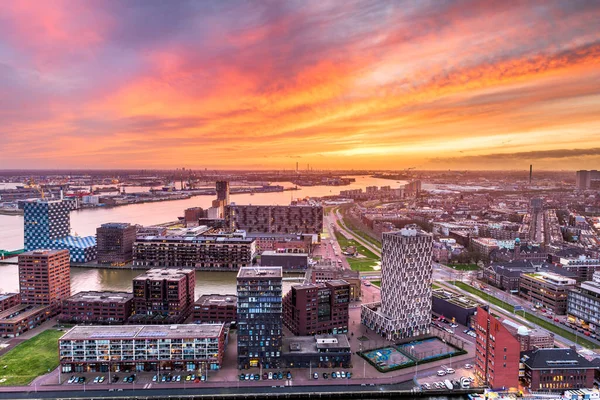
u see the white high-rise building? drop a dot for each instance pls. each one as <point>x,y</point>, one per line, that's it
<point>406,270</point>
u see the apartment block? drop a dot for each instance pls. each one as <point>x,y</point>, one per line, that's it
<point>259,291</point>
<point>209,253</point>
<point>8,300</point>
<point>556,370</point>
<point>44,277</point>
<point>131,348</point>
<point>15,321</point>
<point>115,243</point>
<point>583,305</point>
<point>97,307</point>
<point>547,289</point>
<point>497,353</point>
<point>296,219</point>
<point>406,271</point>
<point>315,309</point>
<point>213,308</point>
<point>163,296</point>
<point>325,272</point>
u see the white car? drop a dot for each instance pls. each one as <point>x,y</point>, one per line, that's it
<point>441,372</point>
<point>450,370</point>
<point>468,366</point>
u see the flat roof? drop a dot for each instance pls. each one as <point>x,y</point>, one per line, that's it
<point>192,239</point>
<point>260,272</point>
<point>160,274</point>
<point>104,297</point>
<point>217,299</point>
<point>42,252</point>
<point>4,296</point>
<point>20,312</point>
<point>184,331</point>
<point>274,253</point>
<point>311,344</point>
<point>116,225</point>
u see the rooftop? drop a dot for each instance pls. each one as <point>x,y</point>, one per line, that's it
<point>103,297</point>
<point>116,225</point>
<point>551,277</point>
<point>217,299</point>
<point>4,296</point>
<point>42,252</point>
<point>19,312</point>
<point>143,331</point>
<point>260,272</point>
<point>193,239</point>
<point>555,358</point>
<point>164,273</point>
<point>312,344</point>
<point>274,253</point>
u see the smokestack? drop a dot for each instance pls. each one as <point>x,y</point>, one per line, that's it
<point>530,172</point>
<point>296,166</point>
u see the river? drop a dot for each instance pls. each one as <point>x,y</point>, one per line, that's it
<point>84,222</point>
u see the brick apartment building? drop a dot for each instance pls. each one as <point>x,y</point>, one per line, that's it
<point>324,273</point>
<point>497,353</point>
<point>315,309</point>
<point>213,308</point>
<point>44,277</point>
<point>201,252</point>
<point>8,300</point>
<point>163,296</point>
<point>98,307</point>
<point>115,243</point>
<point>275,219</point>
<point>557,370</point>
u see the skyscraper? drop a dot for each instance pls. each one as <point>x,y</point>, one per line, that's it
<point>223,192</point>
<point>406,270</point>
<point>259,317</point>
<point>44,221</point>
<point>44,277</point>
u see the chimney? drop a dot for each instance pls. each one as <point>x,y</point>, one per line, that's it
<point>530,172</point>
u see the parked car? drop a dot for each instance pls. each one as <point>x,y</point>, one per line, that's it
<point>81,379</point>
<point>468,366</point>
<point>280,376</point>
<point>256,377</point>
<point>251,377</point>
<point>71,379</point>
<point>325,376</point>
<point>348,375</point>
<point>242,377</point>
<point>333,375</point>
<point>342,374</point>
<point>316,375</point>
<point>188,378</point>
<point>265,376</point>
<point>270,375</point>
<point>289,375</point>
<point>441,373</point>
<point>203,378</point>
<point>450,370</point>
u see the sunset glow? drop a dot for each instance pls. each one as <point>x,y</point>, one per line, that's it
<point>333,84</point>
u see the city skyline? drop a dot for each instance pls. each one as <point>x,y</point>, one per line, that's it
<point>364,85</point>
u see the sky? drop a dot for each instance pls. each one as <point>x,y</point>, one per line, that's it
<point>262,84</point>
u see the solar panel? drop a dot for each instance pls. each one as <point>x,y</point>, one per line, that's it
<point>110,335</point>
<point>155,334</point>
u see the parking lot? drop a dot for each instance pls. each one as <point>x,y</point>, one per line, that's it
<point>437,379</point>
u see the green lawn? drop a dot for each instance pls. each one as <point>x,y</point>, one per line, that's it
<point>464,267</point>
<point>544,323</point>
<point>376,283</point>
<point>361,264</point>
<point>30,359</point>
<point>365,263</point>
<point>358,232</point>
<point>434,286</point>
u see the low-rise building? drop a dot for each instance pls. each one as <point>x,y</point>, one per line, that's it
<point>314,309</point>
<point>21,318</point>
<point>8,300</point>
<point>134,348</point>
<point>318,351</point>
<point>213,308</point>
<point>530,339</point>
<point>98,307</point>
<point>454,306</point>
<point>288,261</point>
<point>547,289</point>
<point>557,370</point>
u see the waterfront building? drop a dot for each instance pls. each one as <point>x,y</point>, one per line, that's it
<point>314,309</point>
<point>496,353</point>
<point>259,291</point>
<point>115,243</point>
<point>546,289</point>
<point>406,271</point>
<point>192,215</point>
<point>44,221</point>
<point>288,261</point>
<point>222,188</point>
<point>292,219</point>
<point>209,253</point>
<point>44,277</point>
<point>8,300</point>
<point>556,370</point>
<point>46,226</point>
<point>163,296</point>
<point>212,308</point>
<point>135,348</point>
<point>97,307</point>
<point>583,305</point>
<point>316,351</point>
